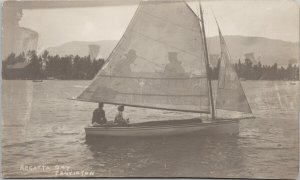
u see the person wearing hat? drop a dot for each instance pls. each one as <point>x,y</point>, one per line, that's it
<point>120,119</point>
<point>99,116</point>
<point>122,67</point>
<point>174,67</point>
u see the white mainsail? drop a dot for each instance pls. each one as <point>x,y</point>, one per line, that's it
<point>159,62</point>
<point>230,93</point>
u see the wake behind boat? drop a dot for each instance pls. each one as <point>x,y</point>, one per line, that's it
<point>161,62</point>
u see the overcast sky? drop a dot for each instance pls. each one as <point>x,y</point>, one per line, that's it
<point>276,19</point>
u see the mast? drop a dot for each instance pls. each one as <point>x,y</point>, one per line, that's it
<point>207,65</point>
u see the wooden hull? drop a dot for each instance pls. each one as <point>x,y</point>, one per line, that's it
<point>229,127</point>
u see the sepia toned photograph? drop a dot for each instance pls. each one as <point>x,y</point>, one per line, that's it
<point>150,89</point>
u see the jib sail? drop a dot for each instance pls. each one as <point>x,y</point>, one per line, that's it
<point>230,93</point>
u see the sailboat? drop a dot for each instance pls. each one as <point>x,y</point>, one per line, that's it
<point>161,62</point>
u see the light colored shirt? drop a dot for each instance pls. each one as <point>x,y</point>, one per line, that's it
<point>120,119</point>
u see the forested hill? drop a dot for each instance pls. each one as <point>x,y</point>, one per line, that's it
<point>268,51</point>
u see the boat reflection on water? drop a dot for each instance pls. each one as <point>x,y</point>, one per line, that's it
<point>185,155</point>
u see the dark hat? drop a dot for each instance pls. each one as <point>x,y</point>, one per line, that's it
<point>100,104</point>
<point>131,53</point>
<point>172,55</point>
<point>121,108</point>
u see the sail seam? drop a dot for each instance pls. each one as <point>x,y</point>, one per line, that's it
<point>164,20</point>
<point>131,77</point>
<point>141,57</point>
<point>237,110</point>
<point>148,37</point>
<point>151,62</point>
<point>166,95</point>
<point>227,89</point>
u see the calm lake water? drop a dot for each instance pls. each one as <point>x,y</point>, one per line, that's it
<point>43,136</point>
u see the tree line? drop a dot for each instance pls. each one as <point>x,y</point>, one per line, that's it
<point>249,71</point>
<point>47,66</point>
<point>71,67</point>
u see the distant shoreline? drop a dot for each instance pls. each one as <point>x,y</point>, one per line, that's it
<point>45,66</point>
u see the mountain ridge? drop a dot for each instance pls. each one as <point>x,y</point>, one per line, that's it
<point>268,51</point>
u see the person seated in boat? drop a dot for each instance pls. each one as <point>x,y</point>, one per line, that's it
<point>99,116</point>
<point>120,119</point>
<point>123,67</point>
<point>174,67</point>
